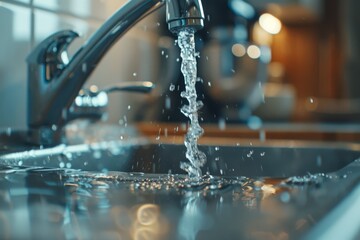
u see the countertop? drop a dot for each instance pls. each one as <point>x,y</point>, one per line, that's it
<point>346,132</point>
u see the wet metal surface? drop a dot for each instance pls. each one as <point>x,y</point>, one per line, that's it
<point>263,192</point>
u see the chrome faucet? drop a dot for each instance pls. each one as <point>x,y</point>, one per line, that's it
<point>54,80</point>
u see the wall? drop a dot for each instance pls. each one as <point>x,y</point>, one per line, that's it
<point>24,23</point>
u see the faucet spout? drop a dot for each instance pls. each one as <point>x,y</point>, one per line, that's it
<point>54,80</point>
<point>184,13</point>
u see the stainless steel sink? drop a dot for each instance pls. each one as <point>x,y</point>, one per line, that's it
<point>269,159</point>
<point>289,191</point>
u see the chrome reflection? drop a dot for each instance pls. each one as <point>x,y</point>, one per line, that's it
<point>4,226</point>
<point>148,223</point>
<point>194,217</point>
<point>148,214</point>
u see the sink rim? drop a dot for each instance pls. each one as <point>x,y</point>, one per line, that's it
<point>13,158</point>
<point>212,142</point>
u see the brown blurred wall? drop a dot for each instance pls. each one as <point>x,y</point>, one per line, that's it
<point>310,49</point>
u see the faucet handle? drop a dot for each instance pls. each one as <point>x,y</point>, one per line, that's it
<point>51,54</point>
<point>140,87</point>
<point>92,103</point>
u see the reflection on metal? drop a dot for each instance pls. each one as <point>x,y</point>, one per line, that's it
<point>194,217</point>
<point>147,214</point>
<point>4,227</point>
<point>148,223</point>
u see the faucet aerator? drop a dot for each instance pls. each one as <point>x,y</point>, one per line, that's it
<point>182,14</point>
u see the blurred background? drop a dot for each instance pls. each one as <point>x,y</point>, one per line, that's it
<point>274,61</point>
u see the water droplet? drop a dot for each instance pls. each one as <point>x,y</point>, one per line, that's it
<point>217,148</point>
<point>185,110</point>
<point>129,107</point>
<point>183,94</point>
<point>162,52</point>
<point>250,153</point>
<point>209,84</point>
<point>134,74</point>
<point>262,154</point>
<point>172,87</point>
<point>61,164</point>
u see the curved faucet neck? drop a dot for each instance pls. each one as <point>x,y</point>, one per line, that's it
<point>54,81</point>
<point>52,89</point>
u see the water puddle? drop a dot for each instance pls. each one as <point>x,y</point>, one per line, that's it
<point>69,204</point>
<point>156,182</point>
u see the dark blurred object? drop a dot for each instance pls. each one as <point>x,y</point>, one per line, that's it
<point>228,14</point>
<point>232,65</point>
<point>234,74</point>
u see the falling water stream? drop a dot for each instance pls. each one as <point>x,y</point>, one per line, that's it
<point>197,158</point>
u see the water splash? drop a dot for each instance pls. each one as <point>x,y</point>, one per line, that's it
<point>143,182</point>
<point>197,158</point>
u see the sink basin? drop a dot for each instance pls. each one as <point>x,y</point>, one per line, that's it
<point>282,190</point>
<point>271,159</point>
